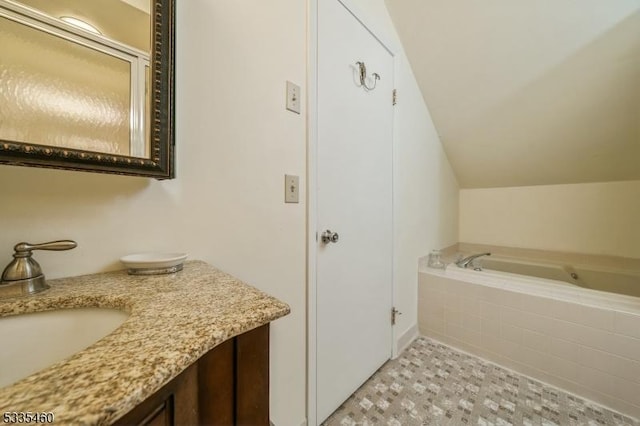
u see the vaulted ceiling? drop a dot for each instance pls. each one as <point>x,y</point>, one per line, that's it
<point>529,92</point>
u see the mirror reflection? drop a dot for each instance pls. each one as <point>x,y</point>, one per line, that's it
<point>76,74</point>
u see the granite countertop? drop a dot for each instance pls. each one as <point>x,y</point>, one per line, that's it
<point>174,320</point>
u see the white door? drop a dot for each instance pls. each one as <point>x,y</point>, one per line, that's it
<point>354,200</point>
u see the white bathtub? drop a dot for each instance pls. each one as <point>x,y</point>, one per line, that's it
<point>583,340</point>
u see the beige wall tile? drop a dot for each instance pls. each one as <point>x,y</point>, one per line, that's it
<point>474,338</point>
<point>429,294</point>
<point>454,331</point>
<point>432,324</point>
<point>623,346</point>
<point>453,302</point>
<point>471,322</point>
<point>539,305</point>
<point>462,334</point>
<point>430,316</point>
<point>609,363</point>
<point>434,282</point>
<point>563,368</point>
<point>440,337</point>
<point>489,294</point>
<point>532,358</point>
<point>509,315</point>
<point>535,340</point>
<point>595,379</point>
<point>489,311</point>
<point>490,327</point>
<point>627,324</point>
<point>452,317</point>
<point>501,297</point>
<point>569,331</point>
<point>465,289</point>
<point>436,310</point>
<point>508,349</point>
<point>511,333</point>
<point>471,348</point>
<point>585,315</point>
<point>627,391</point>
<point>488,355</point>
<point>472,305</point>
<point>527,320</point>
<point>490,342</point>
<point>626,347</point>
<point>524,368</point>
<point>564,349</point>
<point>432,302</point>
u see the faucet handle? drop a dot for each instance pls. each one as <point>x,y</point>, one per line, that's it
<point>24,273</point>
<point>24,249</point>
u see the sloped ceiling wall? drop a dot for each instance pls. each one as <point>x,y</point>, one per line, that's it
<point>529,92</point>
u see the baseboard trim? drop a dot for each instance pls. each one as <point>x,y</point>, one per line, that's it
<point>406,339</point>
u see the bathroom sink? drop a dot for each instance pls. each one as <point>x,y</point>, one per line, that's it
<point>34,341</point>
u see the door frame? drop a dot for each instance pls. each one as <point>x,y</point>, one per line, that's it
<point>312,178</point>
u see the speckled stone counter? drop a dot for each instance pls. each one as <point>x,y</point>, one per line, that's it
<point>175,319</point>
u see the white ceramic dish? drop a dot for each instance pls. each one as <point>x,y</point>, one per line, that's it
<point>153,263</point>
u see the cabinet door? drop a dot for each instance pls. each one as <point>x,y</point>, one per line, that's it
<point>252,377</point>
<point>227,386</point>
<point>233,381</point>
<point>216,385</point>
<point>174,404</point>
<point>161,416</point>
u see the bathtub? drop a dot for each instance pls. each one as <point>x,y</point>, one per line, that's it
<point>600,279</point>
<point>548,325</point>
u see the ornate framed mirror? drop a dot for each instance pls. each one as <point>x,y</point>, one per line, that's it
<point>88,85</point>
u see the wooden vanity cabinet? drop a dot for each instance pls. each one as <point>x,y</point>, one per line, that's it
<point>229,385</point>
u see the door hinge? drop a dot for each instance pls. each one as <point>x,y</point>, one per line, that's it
<point>394,314</point>
<point>394,97</point>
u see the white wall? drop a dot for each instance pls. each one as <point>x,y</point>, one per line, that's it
<point>593,218</point>
<point>425,188</point>
<point>235,142</point>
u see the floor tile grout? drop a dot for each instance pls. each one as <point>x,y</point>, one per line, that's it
<point>431,383</point>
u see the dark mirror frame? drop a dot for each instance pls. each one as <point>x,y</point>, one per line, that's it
<point>161,163</point>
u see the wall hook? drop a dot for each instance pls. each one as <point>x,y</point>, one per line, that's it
<point>363,76</point>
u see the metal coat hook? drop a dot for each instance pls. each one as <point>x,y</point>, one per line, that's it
<point>363,76</point>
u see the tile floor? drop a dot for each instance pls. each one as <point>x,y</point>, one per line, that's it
<point>434,384</point>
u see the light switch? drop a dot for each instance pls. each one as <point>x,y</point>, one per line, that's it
<point>293,97</point>
<point>291,189</point>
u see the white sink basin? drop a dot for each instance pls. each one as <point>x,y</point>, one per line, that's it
<point>31,342</point>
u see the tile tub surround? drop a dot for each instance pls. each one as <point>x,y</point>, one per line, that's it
<point>175,319</point>
<point>585,342</point>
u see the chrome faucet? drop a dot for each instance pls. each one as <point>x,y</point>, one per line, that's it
<point>23,275</point>
<point>464,263</point>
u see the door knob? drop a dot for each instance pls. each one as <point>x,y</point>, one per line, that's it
<point>330,237</point>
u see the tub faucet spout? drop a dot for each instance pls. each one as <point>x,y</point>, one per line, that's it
<point>464,263</point>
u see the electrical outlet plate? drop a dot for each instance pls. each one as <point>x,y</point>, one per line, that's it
<point>293,97</point>
<point>291,189</point>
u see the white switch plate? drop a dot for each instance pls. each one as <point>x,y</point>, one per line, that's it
<point>293,97</point>
<point>291,189</point>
